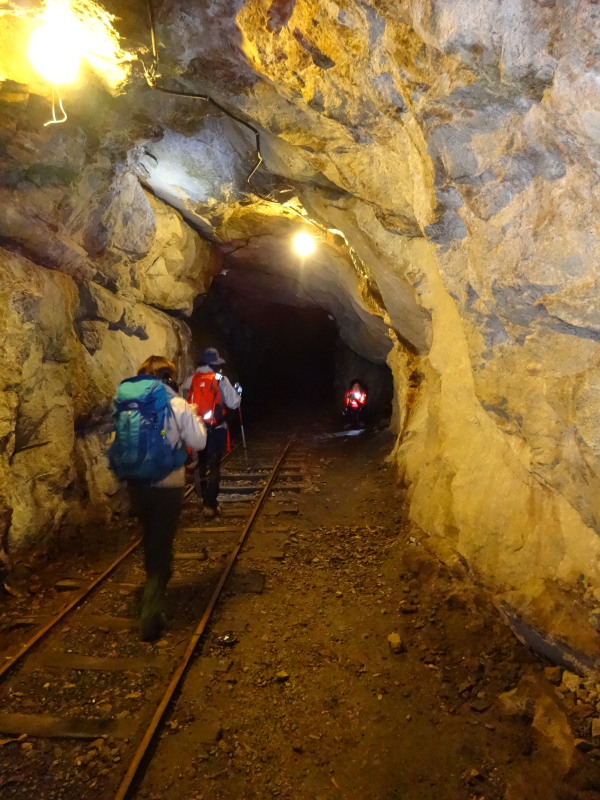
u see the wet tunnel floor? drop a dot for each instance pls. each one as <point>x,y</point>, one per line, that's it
<point>363,669</point>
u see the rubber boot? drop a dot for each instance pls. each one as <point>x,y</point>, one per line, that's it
<point>153,618</point>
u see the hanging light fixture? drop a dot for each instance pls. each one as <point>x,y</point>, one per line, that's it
<point>304,244</point>
<point>68,32</point>
<point>55,45</point>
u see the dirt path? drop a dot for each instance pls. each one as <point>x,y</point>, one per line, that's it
<point>366,670</point>
<point>345,661</point>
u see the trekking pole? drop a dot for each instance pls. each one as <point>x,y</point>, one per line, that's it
<point>242,426</point>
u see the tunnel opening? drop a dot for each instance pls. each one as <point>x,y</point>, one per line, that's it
<point>290,359</point>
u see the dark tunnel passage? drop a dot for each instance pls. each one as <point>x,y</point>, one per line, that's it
<point>289,359</point>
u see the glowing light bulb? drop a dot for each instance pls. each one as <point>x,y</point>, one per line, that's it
<point>55,46</point>
<point>304,244</point>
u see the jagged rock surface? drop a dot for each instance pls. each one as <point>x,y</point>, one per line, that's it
<point>59,369</point>
<point>91,272</point>
<point>456,146</point>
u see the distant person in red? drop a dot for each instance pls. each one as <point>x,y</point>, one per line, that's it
<point>355,401</point>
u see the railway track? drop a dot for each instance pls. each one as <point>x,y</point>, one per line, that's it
<point>80,595</point>
<point>89,674</point>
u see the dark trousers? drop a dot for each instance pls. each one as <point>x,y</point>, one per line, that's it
<point>354,416</point>
<point>159,511</point>
<point>208,471</point>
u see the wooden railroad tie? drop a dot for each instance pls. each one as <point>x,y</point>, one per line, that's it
<point>47,726</point>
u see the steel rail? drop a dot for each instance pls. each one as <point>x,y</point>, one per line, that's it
<point>190,488</point>
<point>65,610</point>
<point>45,629</point>
<point>142,749</point>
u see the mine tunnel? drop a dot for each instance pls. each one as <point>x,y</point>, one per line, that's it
<point>374,573</point>
<point>282,355</point>
<point>290,359</point>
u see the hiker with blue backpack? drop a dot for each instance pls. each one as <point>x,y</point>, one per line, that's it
<point>154,428</point>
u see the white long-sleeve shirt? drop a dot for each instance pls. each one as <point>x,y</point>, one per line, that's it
<point>183,427</point>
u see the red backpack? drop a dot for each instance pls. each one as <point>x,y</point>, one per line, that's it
<point>205,393</point>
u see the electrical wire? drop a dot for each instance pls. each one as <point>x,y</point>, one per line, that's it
<point>151,78</point>
<point>54,120</point>
<point>151,75</point>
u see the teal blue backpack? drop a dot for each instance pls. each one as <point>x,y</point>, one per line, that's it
<point>141,450</point>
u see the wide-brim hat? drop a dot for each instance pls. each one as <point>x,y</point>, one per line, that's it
<point>211,357</point>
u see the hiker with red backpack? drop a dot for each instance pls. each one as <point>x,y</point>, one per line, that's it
<point>154,428</point>
<point>212,394</point>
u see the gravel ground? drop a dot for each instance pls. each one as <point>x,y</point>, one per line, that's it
<point>344,661</point>
<point>367,670</point>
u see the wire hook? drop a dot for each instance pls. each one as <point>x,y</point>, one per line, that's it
<point>55,120</point>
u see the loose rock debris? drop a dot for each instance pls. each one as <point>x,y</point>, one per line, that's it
<point>397,672</point>
<point>364,669</point>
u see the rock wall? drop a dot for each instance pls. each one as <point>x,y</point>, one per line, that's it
<point>60,361</point>
<point>95,276</point>
<point>455,144</point>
